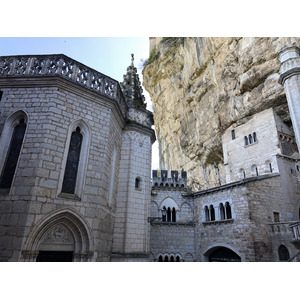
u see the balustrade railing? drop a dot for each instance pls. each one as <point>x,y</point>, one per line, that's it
<point>65,67</point>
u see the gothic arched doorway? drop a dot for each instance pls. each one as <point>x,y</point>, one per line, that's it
<point>61,237</point>
<point>223,254</point>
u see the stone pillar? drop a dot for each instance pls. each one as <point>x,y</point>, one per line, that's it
<point>289,57</point>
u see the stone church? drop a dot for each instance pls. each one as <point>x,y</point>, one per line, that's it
<point>75,174</point>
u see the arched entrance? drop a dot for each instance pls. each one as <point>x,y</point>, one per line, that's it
<point>57,245</point>
<point>223,254</point>
<point>61,237</point>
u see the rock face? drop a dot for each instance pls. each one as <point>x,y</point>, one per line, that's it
<point>200,87</point>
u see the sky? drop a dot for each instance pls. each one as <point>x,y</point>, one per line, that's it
<point>108,55</point>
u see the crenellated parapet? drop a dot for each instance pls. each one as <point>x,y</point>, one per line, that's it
<point>160,179</point>
<point>64,67</point>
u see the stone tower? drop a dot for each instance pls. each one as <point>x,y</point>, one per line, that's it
<point>131,230</point>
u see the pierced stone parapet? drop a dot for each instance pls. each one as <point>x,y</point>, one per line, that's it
<point>160,179</point>
<point>65,67</point>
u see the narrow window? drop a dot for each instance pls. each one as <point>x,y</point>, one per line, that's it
<point>166,259</point>
<point>246,141</point>
<point>177,258</point>
<point>254,137</point>
<point>270,166</point>
<point>297,167</point>
<point>137,183</point>
<point>13,155</point>
<point>212,213</point>
<point>222,211</point>
<point>206,214</point>
<point>164,216</point>
<point>228,210</point>
<point>172,259</point>
<point>160,259</point>
<point>169,214</point>
<point>250,139</point>
<point>1,93</point>
<point>276,217</point>
<point>173,214</point>
<point>233,134</point>
<point>256,170</point>
<point>72,163</point>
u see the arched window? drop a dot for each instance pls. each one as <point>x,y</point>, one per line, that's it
<point>250,139</point>
<point>228,210</point>
<point>164,217</point>
<point>254,170</point>
<point>138,183</point>
<point>169,214</point>
<point>283,253</point>
<point>254,137</point>
<point>242,173</point>
<point>13,154</point>
<point>75,160</point>
<point>177,258</point>
<point>246,141</point>
<point>166,258</point>
<point>71,169</point>
<point>171,208</point>
<point>206,211</point>
<point>172,258</point>
<point>222,211</point>
<point>160,259</point>
<point>233,134</point>
<point>212,213</point>
<point>173,214</point>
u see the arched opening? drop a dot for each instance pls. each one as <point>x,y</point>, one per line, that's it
<point>173,214</point>
<point>283,253</point>
<point>228,210</point>
<point>169,214</point>
<point>223,254</point>
<point>63,236</point>
<point>246,141</point>
<point>160,259</point>
<point>250,139</point>
<point>222,211</point>
<point>172,259</point>
<point>177,258</point>
<point>13,154</point>
<point>254,137</point>
<point>166,259</point>
<point>212,213</point>
<point>138,183</point>
<point>206,211</point>
<point>71,169</point>
<point>233,134</point>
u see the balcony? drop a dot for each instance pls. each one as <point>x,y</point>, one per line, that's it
<point>295,227</point>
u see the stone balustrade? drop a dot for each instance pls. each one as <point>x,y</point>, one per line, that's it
<point>64,67</point>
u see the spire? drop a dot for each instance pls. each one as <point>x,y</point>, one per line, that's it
<point>131,87</point>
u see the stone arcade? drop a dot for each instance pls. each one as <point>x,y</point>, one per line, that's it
<point>76,184</point>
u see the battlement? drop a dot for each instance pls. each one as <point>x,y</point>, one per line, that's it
<point>164,181</point>
<point>62,66</point>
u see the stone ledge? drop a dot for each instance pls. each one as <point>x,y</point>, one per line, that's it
<point>190,223</point>
<point>218,222</point>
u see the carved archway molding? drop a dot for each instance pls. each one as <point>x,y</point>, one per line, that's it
<point>72,224</point>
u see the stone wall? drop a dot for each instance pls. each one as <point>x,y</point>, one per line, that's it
<point>249,232</point>
<point>241,159</point>
<point>36,191</point>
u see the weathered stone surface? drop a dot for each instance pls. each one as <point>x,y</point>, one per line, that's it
<point>200,87</point>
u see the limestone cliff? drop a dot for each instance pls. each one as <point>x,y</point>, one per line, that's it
<point>200,87</point>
